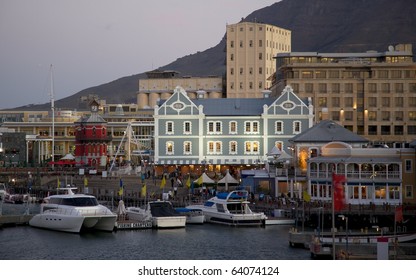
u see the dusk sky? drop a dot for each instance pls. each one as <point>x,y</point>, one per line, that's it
<point>92,42</point>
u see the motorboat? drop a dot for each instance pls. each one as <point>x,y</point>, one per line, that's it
<point>13,198</point>
<point>230,208</point>
<point>193,216</point>
<point>72,212</point>
<point>161,212</point>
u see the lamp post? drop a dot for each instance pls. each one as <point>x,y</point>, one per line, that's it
<point>343,217</point>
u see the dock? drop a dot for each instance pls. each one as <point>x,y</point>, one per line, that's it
<point>279,221</point>
<point>355,250</point>
<point>14,220</point>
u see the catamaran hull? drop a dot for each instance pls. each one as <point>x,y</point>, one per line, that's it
<point>74,224</point>
<point>103,223</point>
<point>57,222</point>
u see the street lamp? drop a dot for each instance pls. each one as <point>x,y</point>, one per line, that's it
<point>343,217</point>
<point>377,228</point>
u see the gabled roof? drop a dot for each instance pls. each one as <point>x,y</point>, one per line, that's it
<point>93,118</point>
<point>328,131</point>
<point>233,106</point>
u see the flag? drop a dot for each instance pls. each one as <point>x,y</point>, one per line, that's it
<point>120,191</point>
<point>58,182</point>
<point>121,183</point>
<point>163,183</point>
<point>398,215</point>
<point>85,181</point>
<point>144,190</point>
<point>200,180</point>
<point>338,189</point>
<point>306,196</point>
<point>188,182</point>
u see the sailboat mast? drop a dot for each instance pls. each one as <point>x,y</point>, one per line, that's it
<point>53,116</point>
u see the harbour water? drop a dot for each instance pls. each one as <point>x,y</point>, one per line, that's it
<point>195,242</point>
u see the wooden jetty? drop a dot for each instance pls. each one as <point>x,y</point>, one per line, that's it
<point>13,220</point>
<point>279,221</point>
<point>360,246</point>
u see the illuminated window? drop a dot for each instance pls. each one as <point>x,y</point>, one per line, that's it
<point>233,127</point>
<point>251,147</point>
<point>233,147</point>
<point>169,148</point>
<point>214,147</point>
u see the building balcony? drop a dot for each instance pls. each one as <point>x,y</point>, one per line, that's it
<point>357,176</point>
<point>93,138</point>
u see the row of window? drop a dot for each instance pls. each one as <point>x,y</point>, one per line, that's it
<point>348,87</point>
<point>268,29</point>
<point>362,192</point>
<point>269,44</point>
<point>269,56</point>
<point>250,71</point>
<point>352,74</point>
<point>216,127</point>
<point>216,148</point>
<point>250,85</point>
<point>371,102</point>
<point>388,130</point>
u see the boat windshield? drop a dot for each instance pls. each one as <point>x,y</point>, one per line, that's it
<point>75,201</point>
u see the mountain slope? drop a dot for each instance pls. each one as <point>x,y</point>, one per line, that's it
<point>316,25</point>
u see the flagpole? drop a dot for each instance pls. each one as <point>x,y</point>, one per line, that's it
<point>395,231</point>
<point>333,217</point>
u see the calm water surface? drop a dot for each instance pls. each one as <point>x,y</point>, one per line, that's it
<point>199,242</point>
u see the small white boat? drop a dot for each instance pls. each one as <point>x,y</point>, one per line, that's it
<point>230,208</point>
<point>72,213</point>
<point>3,191</point>
<point>193,216</point>
<point>162,214</point>
<point>13,198</point>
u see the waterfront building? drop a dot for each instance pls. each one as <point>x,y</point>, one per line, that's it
<point>232,133</point>
<point>91,139</point>
<point>373,94</point>
<point>378,176</point>
<point>13,149</point>
<point>38,127</point>
<point>304,146</point>
<point>39,138</point>
<point>251,47</point>
<point>161,84</point>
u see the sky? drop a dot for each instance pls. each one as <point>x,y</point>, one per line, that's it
<point>92,42</point>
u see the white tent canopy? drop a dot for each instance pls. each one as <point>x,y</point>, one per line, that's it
<point>284,156</point>
<point>68,157</point>
<point>205,179</point>
<point>228,179</point>
<point>279,155</point>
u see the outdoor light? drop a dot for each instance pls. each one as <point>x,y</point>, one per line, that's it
<point>343,217</point>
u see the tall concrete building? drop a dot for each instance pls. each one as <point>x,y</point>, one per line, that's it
<point>372,94</point>
<point>251,48</point>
